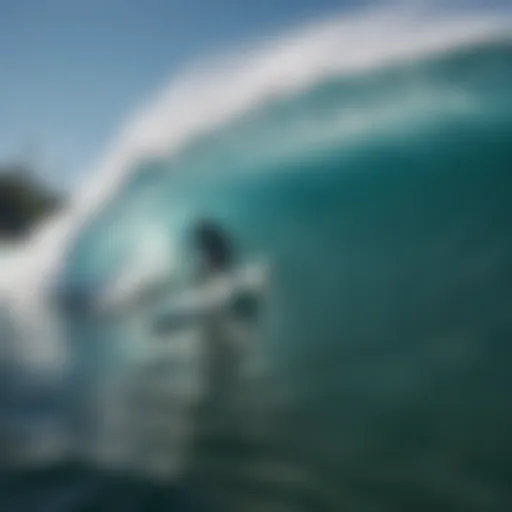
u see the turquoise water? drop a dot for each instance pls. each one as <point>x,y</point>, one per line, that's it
<point>382,202</point>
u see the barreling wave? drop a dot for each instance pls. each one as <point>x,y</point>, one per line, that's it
<point>210,96</point>
<point>397,260</point>
<point>381,73</point>
<point>440,99</point>
<point>389,238</point>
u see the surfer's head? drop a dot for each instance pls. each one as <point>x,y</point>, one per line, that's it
<point>213,245</point>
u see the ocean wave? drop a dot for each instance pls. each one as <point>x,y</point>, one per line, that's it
<point>206,100</point>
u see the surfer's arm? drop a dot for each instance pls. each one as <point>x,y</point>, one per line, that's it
<point>237,293</point>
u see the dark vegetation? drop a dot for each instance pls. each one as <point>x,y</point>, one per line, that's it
<point>24,200</point>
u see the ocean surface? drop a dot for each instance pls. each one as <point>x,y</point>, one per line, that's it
<point>380,199</point>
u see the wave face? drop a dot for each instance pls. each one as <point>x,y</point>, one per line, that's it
<point>382,200</point>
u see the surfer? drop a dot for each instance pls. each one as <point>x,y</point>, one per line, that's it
<point>231,316</point>
<point>215,254</point>
<point>233,420</point>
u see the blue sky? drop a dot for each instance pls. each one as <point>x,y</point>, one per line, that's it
<point>72,71</point>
